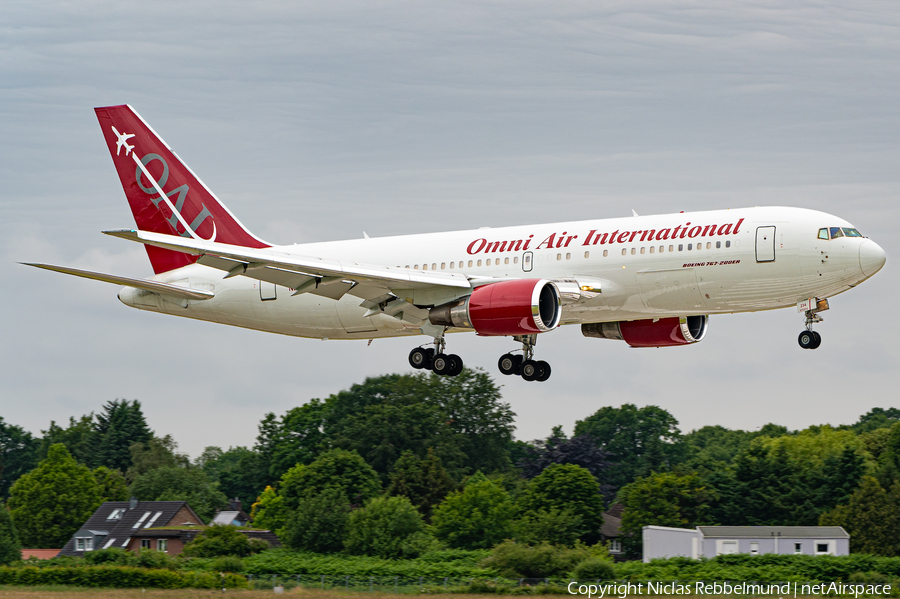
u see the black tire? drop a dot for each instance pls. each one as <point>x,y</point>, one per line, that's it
<point>519,360</point>
<point>818,340</point>
<point>419,358</point>
<point>806,339</point>
<point>530,370</point>
<point>508,364</point>
<point>442,364</point>
<point>545,371</point>
<point>457,365</point>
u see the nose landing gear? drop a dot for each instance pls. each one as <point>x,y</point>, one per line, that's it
<point>435,360</point>
<point>523,365</point>
<point>810,339</point>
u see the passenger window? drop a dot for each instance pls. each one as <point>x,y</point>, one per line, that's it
<point>443,265</point>
<point>680,247</point>
<point>479,263</point>
<point>671,248</point>
<point>624,251</point>
<point>416,267</point>
<point>434,266</point>
<point>470,264</point>
<point>836,232</point>
<point>690,246</point>
<point>587,254</point>
<point>708,245</point>
<point>451,265</point>
<point>568,256</point>
<point>661,249</point>
<point>407,266</point>
<point>506,261</point>
<point>823,233</point>
<point>652,248</point>
<point>559,256</point>
<point>632,251</point>
<point>851,232</point>
<point>642,250</point>
<point>605,253</point>
<point>728,244</point>
<point>516,260</point>
<point>718,244</point>
<point>424,267</point>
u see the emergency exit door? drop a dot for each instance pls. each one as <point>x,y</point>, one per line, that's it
<point>765,244</point>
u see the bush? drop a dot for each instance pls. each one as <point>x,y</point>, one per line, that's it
<point>154,560</point>
<point>557,527</point>
<point>227,563</point>
<point>518,560</point>
<point>594,569</point>
<point>388,527</point>
<point>118,577</point>
<point>113,555</point>
<point>218,540</point>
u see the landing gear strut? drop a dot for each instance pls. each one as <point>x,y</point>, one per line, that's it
<point>524,365</point>
<point>810,339</point>
<point>435,360</point>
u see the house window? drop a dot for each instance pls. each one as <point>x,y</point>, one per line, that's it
<point>615,546</point>
<point>729,548</point>
<point>145,543</point>
<point>89,544</point>
<point>79,544</point>
<point>116,514</point>
<point>798,547</point>
<point>754,547</point>
<point>824,548</point>
<point>162,545</point>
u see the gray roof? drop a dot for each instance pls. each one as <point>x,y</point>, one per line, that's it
<point>792,532</point>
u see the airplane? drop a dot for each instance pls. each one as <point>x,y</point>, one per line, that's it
<point>650,281</point>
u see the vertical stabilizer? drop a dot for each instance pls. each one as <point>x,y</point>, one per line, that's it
<point>164,194</point>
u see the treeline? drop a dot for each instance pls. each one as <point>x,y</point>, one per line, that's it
<point>405,465</point>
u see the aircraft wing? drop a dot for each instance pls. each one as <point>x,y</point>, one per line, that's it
<point>154,286</point>
<point>304,274</point>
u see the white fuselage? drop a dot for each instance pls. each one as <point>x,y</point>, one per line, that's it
<point>653,266</point>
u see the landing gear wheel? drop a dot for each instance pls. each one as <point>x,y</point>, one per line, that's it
<point>545,371</point>
<point>818,340</point>
<point>443,364</point>
<point>531,370</point>
<point>420,358</point>
<point>508,364</point>
<point>807,340</point>
<point>457,364</point>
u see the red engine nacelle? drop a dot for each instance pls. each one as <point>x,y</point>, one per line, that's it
<point>520,307</point>
<point>664,332</point>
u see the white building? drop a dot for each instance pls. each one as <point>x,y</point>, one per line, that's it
<point>710,541</point>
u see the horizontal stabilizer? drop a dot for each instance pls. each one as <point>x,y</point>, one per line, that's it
<point>153,286</point>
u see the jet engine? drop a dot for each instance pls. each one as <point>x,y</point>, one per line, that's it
<point>664,332</point>
<point>521,307</point>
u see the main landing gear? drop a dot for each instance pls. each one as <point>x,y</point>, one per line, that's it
<point>435,360</point>
<point>523,365</point>
<point>809,339</point>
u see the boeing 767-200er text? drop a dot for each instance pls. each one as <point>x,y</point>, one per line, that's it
<point>651,281</point>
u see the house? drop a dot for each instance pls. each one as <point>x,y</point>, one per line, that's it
<point>235,516</point>
<point>610,531</point>
<point>710,541</point>
<point>39,553</point>
<point>122,524</point>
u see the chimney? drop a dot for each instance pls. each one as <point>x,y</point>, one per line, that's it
<point>132,503</point>
<point>235,504</point>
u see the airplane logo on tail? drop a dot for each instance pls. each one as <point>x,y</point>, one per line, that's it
<point>121,142</point>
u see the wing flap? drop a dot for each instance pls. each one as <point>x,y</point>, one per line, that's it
<point>152,286</point>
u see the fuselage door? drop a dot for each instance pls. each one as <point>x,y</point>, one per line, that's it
<point>266,291</point>
<point>765,244</point>
<point>527,258</point>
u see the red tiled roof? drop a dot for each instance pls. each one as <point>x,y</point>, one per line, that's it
<point>39,553</point>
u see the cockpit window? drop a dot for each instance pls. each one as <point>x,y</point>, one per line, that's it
<point>851,232</point>
<point>823,234</point>
<point>836,232</point>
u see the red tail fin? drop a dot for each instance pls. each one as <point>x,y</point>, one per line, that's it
<point>164,195</point>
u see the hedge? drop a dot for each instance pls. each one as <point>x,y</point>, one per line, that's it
<point>118,577</point>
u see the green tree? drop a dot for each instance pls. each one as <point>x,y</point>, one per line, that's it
<point>554,526</point>
<point>117,428</point>
<point>269,512</point>
<point>295,438</point>
<point>876,418</point>
<point>18,454</point>
<point>78,438</point>
<point>640,440</point>
<point>51,502</point>
<point>240,472</point>
<point>111,483</point>
<point>319,523</point>
<point>218,540</point>
<point>871,518</point>
<point>424,482</point>
<point>339,469</point>
<point>155,453</point>
<point>10,548</point>
<point>171,483</point>
<point>477,517</point>
<point>387,527</point>
<point>566,487</point>
<point>662,499</point>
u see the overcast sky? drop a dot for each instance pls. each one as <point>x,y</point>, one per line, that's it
<point>318,121</point>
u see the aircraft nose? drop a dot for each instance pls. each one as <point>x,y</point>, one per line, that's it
<point>871,257</point>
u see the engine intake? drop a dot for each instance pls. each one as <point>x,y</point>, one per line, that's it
<point>665,332</point>
<point>521,307</point>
